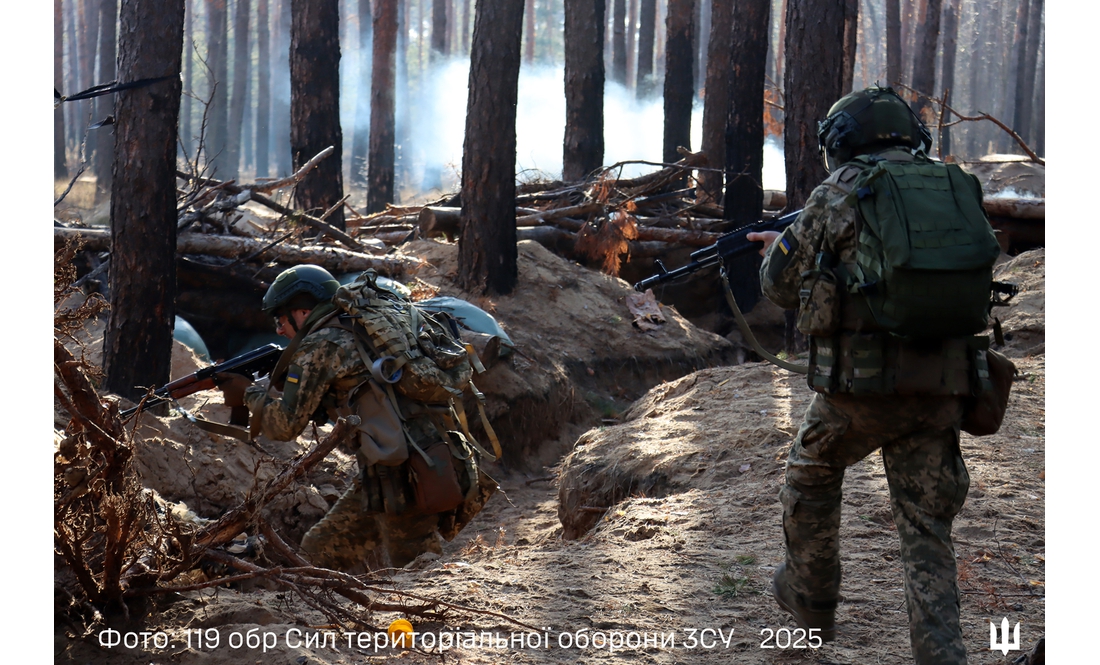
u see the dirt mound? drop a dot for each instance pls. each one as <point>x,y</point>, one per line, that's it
<point>1024,319</point>
<point>579,356</point>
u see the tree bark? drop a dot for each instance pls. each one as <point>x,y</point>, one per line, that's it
<point>618,42</point>
<point>744,136</point>
<point>186,142</point>
<point>231,168</point>
<point>583,146</point>
<point>361,135</point>
<point>315,103</point>
<point>263,90</point>
<point>487,259</point>
<point>380,160</point>
<point>647,23</point>
<point>950,48</point>
<point>138,339</point>
<point>1025,75</point>
<point>716,104</point>
<point>60,165</point>
<point>217,129</point>
<point>893,42</point>
<point>679,78</point>
<point>812,83</point>
<point>529,32</point>
<point>924,59</point>
<point>104,106</point>
<point>851,30</point>
<point>631,42</point>
<point>72,40</point>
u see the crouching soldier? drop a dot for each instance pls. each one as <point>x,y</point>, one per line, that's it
<point>418,473</point>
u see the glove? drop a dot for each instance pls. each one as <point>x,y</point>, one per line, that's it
<point>232,387</point>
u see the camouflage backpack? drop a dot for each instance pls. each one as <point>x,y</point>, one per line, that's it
<point>419,352</point>
<point>925,254</point>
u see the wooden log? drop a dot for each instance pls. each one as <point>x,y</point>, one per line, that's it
<point>334,259</point>
<point>1015,208</point>
<point>558,213</point>
<point>435,221</point>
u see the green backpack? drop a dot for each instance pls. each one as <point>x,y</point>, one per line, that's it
<point>925,254</point>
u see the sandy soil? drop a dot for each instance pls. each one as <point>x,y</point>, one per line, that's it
<point>678,537</point>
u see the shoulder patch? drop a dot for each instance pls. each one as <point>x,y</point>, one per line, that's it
<point>844,177</point>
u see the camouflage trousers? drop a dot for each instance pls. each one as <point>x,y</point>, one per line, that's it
<point>919,438</point>
<point>351,539</point>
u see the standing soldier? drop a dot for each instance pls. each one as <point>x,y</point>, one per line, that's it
<point>890,372</point>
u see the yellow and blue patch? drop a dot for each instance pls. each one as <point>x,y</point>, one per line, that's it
<point>292,378</point>
<point>784,245</point>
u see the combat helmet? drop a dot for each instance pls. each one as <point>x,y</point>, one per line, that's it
<point>300,287</point>
<point>867,120</point>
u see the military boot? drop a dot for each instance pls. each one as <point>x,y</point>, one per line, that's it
<point>808,614</point>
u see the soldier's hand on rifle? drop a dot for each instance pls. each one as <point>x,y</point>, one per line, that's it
<point>232,386</point>
<point>766,237</point>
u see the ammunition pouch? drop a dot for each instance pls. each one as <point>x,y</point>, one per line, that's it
<point>879,363</point>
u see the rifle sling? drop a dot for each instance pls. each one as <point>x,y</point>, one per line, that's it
<point>747,332</point>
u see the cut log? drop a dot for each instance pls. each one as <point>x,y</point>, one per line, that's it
<point>334,259</point>
<point>1015,208</point>
<point>434,221</point>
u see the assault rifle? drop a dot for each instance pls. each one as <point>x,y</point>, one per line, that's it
<point>257,362</point>
<point>728,246</point>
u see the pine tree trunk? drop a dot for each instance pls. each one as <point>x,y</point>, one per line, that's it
<point>529,32</point>
<point>280,91</point>
<point>138,338</point>
<point>263,90</point>
<point>647,23</point>
<point>89,35</point>
<point>744,137</point>
<point>439,30</point>
<point>487,259</point>
<point>217,129</point>
<point>232,165</point>
<point>1025,76</point>
<point>679,78</point>
<point>60,166</point>
<point>584,82</point>
<point>186,142</point>
<point>812,83</point>
<point>315,104</point>
<point>851,29</point>
<point>618,42</point>
<point>361,137</point>
<point>631,43</point>
<point>72,41</point>
<point>893,42</point>
<point>924,59</point>
<point>716,104</point>
<point>105,105</point>
<point>950,48</point>
<point>380,161</point>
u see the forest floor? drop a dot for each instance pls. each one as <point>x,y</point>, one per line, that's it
<point>678,570</point>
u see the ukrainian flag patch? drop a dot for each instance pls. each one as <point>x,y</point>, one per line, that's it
<point>784,245</point>
<point>292,378</point>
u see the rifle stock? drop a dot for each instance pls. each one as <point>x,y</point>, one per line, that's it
<point>257,362</point>
<point>728,246</point>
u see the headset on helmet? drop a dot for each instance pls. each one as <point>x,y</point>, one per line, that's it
<point>867,120</point>
<point>317,284</point>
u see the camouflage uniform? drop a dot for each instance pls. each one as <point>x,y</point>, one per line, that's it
<point>918,436</point>
<point>351,535</point>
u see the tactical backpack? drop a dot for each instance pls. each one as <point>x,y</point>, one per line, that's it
<point>925,252</point>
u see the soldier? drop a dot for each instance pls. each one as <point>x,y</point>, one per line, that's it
<point>917,429</point>
<point>375,523</point>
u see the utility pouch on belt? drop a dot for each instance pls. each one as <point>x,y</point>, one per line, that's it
<point>436,487</point>
<point>819,301</point>
<point>381,437</point>
<point>992,376</point>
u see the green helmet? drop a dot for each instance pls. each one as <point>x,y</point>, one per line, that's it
<point>299,287</point>
<point>868,120</point>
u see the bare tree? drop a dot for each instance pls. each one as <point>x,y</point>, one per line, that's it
<point>380,160</point>
<point>924,58</point>
<point>104,106</point>
<point>217,42</point>
<point>811,83</point>
<point>744,137</point>
<point>315,103</point>
<point>679,78</point>
<point>851,29</point>
<point>185,137</point>
<point>237,100</point>
<point>263,89</point>
<point>528,32</point>
<point>138,339</point>
<point>487,260</point>
<point>716,105</point>
<point>1025,74</point>
<point>618,42</point>
<point>584,83</point>
<point>631,53</point>
<point>280,91</point>
<point>950,48</point>
<point>647,24</point>
<point>893,42</point>
<point>60,166</point>
<point>439,29</point>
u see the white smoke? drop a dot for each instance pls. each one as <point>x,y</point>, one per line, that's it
<point>632,128</point>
